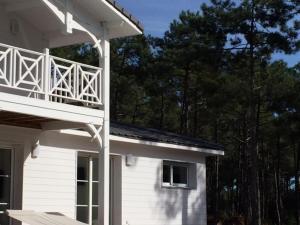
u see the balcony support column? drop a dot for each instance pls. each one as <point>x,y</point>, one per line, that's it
<point>104,160</point>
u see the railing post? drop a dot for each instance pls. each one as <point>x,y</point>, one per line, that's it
<point>12,64</point>
<point>47,73</point>
<point>14,67</point>
<point>76,82</point>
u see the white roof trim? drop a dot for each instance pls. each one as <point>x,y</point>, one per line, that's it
<point>166,145</point>
<point>149,143</point>
<point>138,30</point>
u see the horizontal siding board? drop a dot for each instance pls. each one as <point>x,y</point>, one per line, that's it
<point>53,170</point>
<point>58,175</point>
<point>50,181</point>
<point>36,181</point>
<point>47,153</point>
<point>49,195</point>
<point>52,162</point>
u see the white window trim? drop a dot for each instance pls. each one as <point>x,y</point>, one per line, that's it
<point>90,181</point>
<point>171,184</point>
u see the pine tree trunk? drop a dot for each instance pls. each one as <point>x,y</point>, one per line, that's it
<point>162,111</point>
<point>195,122</point>
<point>184,104</point>
<point>253,132</point>
<point>243,170</point>
<point>277,194</point>
<point>217,168</point>
<point>217,165</point>
<point>115,104</point>
<point>135,111</point>
<point>277,183</point>
<point>297,176</point>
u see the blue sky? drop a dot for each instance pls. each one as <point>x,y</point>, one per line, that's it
<point>156,16</point>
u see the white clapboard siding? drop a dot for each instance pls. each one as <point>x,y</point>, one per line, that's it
<point>145,201</point>
<point>50,181</point>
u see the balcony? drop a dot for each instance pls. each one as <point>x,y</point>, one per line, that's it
<point>48,86</point>
<point>42,76</point>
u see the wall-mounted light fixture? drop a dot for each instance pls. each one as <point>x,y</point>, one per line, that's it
<point>130,160</point>
<point>35,151</point>
<point>14,27</point>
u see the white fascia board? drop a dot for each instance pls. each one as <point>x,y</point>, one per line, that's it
<point>123,17</point>
<point>150,143</point>
<point>51,110</point>
<point>166,145</point>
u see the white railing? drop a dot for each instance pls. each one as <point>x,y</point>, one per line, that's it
<point>42,76</point>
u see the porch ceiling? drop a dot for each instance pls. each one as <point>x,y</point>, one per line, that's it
<point>36,13</point>
<point>50,28</point>
<point>33,12</point>
<point>22,120</point>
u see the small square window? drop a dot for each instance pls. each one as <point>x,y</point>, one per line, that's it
<point>175,174</point>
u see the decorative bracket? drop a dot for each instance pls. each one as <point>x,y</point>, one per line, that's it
<point>95,132</point>
<point>67,19</point>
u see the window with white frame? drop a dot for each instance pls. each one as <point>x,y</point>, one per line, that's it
<point>175,174</point>
<point>87,189</point>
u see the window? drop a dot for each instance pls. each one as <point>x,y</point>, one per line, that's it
<point>87,189</point>
<point>175,174</point>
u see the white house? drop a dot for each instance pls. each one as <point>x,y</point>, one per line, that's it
<point>58,150</point>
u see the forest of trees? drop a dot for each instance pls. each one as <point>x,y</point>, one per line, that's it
<point>212,75</point>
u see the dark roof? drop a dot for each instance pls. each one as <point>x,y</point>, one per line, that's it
<point>149,134</point>
<point>126,13</point>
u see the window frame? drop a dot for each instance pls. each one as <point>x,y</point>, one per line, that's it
<point>91,157</point>
<point>172,164</point>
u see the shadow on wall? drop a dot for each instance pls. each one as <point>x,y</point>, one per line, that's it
<point>179,204</point>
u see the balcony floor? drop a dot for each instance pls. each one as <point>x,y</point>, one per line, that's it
<point>28,112</point>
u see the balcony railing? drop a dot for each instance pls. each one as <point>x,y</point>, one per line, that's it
<point>42,76</point>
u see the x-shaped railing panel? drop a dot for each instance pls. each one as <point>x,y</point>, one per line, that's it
<point>29,72</point>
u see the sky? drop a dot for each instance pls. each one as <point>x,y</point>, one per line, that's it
<point>156,16</point>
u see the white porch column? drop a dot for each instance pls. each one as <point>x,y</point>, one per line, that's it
<point>104,167</point>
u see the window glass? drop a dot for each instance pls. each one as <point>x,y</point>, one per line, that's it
<point>95,216</point>
<point>87,189</point>
<point>83,214</point>
<point>82,193</point>
<point>95,193</point>
<point>5,162</point>
<point>166,174</point>
<point>180,175</point>
<point>83,168</point>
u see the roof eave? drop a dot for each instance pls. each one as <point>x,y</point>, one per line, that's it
<point>205,151</point>
<point>134,24</point>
